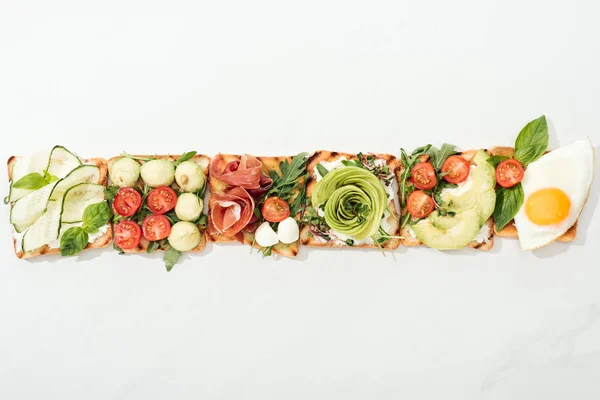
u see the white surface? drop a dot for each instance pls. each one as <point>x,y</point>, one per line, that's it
<point>278,79</point>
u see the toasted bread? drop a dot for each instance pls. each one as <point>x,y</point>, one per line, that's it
<point>203,162</point>
<point>510,230</point>
<point>101,241</point>
<point>411,241</point>
<point>308,239</point>
<point>216,186</point>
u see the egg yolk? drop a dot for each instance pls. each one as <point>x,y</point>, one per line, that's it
<point>547,206</point>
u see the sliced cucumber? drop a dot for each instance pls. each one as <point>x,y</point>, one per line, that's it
<point>62,161</point>
<point>81,174</point>
<point>77,198</point>
<point>28,209</point>
<point>36,162</point>
<point>45,230</point>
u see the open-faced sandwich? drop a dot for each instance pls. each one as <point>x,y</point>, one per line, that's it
<point>257,201</point>
<point>350,201</point>
<point>158,202</point>
<point>57,203</point>
<point>541,194</point>
<point>447,198</point>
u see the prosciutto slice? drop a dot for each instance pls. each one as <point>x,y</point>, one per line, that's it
<point>245,173</point>
<point>232,211</point>
<point>265,184</point>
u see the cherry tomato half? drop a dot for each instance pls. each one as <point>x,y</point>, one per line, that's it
<point>127,235</point>
<point>457,169</point>
<point>275,209</point>
<point>162,200</point>
<point>509,173</point>
<point>156,227</point>
<point>423,176</point>
<point>420,204</point>
<point>127,201</point>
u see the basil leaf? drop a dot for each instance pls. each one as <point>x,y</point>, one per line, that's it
<point>185,157</point>
<point>73,241</point>
<point>438,156</point>
<point>508,203</point>
<point>49,177</point>
<point>32,181</point>
<point>532,142</point>
<point>322,170</point>
<point>495,160</point>
<point>96,216</point>
<point>171,257</point>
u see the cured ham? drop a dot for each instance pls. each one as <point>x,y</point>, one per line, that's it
<point>232,211</point>
<point>265,184</point>
<point>245,173</point>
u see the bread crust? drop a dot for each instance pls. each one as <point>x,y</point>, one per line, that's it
<point>216,186</point>
<point>411,241</point>
<point>101,241</point>
<point>510,230</point>
<point>307,239</point>
<point>203,162</point>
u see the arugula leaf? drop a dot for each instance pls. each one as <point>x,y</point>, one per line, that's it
<point>73,241</point>
<point>495,160</point>
<point>508,203</point>
<point>151,247</point>
<point>408,162</point>
<point>110,192</point>
<point>32,181</point>
<point>118,249</point>
<point>287,185</point>
<point>438,156</point>
<point>532,142</point>
<point>185,157</point>
<point>322,170</point>
<point>96,216</point>
<point>267,251</point>
<point>202,221</point>
<point>171,257</point>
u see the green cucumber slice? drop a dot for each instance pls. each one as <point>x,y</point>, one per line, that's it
<point>45,230</point>
<point>36,162</point>
<point>77,198</point>
<point>29,208</point>
<point>81,174</point>
<point>62,161</point>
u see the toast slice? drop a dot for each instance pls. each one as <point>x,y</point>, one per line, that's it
<point>216,186</point>
<point>510,230</point>
<point>101,241</point>
<point>308,239</point>
<point>202,161</point>
<point>411,241</point>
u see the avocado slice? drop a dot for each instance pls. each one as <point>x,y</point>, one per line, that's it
<point>465,227</point>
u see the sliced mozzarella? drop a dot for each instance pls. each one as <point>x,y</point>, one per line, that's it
<point>265,235</point>
<point>288,231</point>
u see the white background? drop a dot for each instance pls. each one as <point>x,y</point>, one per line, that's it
<point>280,78</point>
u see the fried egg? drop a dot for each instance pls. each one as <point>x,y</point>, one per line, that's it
<point>556,187</point>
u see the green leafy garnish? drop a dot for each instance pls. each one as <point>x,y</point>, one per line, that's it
<point>171,257</point>
<point>408,162</point>
<point>532,142</point>
<point>73,241</point>
<point>151,247</point>
<point>96,216</point>
<point>185,157</point>
<point>496,160</point>
<point>76,238</point>
<point>34,181</point>
<point>350,242</point>
<point>287,184</point>
<point>110,192</point>
<point>438,156</point>
<point>322,170</point>
<point>508,203</point>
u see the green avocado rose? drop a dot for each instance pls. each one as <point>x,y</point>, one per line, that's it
<point>355,201</point>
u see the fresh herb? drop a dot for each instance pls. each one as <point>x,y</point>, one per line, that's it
<point>408,162</point>
<point>438,156</point>
<point>496,160</point>
<point>151,247</point>
<point>145,159</point>
<point>35,181</point>
<point>350,242</point>
<point>171,257</point>
<point>110,192</point>
<point>508,203</point>
<point>76,238</point>
<point>322,170</point>
<point>118,249</point>
<point>532,142</point>
<point>291,180</point>
<point>316,224</point>
<point>202,221</point>
<point>95,216</point>
<point>184,157</point>
<point>368,162</point>
<point>267,251</point>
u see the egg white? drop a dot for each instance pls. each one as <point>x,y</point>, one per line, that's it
<point>568,168</point>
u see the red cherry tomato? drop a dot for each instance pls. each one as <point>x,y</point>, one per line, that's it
<point>162,200</point>
<point>275,209</point>
<point>509,173</point>
<point>420,204</point>
<point>457,169</point>
<point>156,227</point>
<point>423,176</point>
<point>127,201</point>
<point>127,235</point>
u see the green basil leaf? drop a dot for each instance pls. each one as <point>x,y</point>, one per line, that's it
<point>32,181</point>
<point>185,157</point>
<point>49,177</point>
<point>73,241</point>
<point>96,216</point>
<point>322,170</point>
<point>508,203</point>
<point>495,160</point>
<point>532,142</point>
<point>171,257</point>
